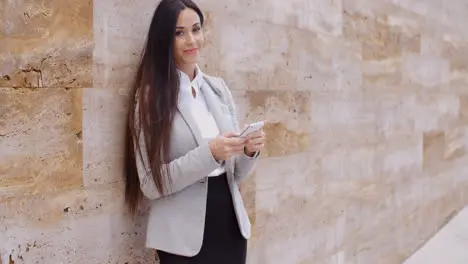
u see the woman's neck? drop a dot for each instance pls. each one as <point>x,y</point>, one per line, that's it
<point>189,70</point>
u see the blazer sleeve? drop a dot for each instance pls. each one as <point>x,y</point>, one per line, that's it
<point>184,171</point>
<point>243,164</point>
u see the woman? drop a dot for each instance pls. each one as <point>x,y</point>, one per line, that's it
<point>182,149</point>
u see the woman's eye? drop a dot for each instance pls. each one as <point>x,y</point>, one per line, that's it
<point>196,29</point>
<point>179,33</point>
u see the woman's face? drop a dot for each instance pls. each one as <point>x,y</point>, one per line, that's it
<point>188,38</point>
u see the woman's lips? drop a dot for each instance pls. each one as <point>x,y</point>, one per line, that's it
<point>191,51</point>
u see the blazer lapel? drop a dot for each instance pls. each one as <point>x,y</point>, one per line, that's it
<point>216,106</point>
<point>218,109</point>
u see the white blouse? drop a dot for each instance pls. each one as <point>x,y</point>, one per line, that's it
<point>205,122</point>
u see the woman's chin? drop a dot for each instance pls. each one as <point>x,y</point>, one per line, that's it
<point>191,59</point>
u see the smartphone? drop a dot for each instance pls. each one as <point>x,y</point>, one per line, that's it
<point>252,128</point>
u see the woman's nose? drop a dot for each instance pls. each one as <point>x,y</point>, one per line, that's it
<point>190,38</point>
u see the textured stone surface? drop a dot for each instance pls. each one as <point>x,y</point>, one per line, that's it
<point>41,141</point>
<point>46,43</point>
<point>118,45</point>
<point>288,116</point>
<point>104,112</point>
<point>72,226</point>
<point>367,104</point>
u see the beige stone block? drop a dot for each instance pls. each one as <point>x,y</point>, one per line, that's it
<point>35,20</point>
<point>348,69</point>
<point>114,77</point>
<point>319,16</point>
<point>342,119</point>
<point>368,8</point>
<point>298,242</point>
<point>328,65</point>
<point>432,111</point>
<point>242,48</point>
<point>296,59</point>
<point>444,150</point>
<point>456,143</point>
<point>353,164</point>
<point>104,121</point>
<point>297,174</point>
<point>362,190</point>
<point>419,7</point>
<point>358,25</point>
<point>315,69</point>
<point>401,112</point>
<point>288,227</point>
<point>382,75</point>
<point>292,108</point>
<point>460,178</point>
<point>439,13</point>
<point>288,120</point>
<point>119,52</point>
<point>379,39</point>
<point>78,225</point>
<point>336,109</point>
<point>408,22</point>
<point>40,40</point>
<point>349,135</point>
<point>384,46</point>
<point>118,46</point>
<point>456,53</point>
<point>392,115</point>
<point>433,148</point>
<point>298,236</point>
<point>464,109</point>
<point>364,244</point>
<point>399,157</point>
<point>108,15</point>
<point>458,83</point>
<point>48,210</point>
<point>426,70</point>
<point>282,141</point>
<point>41,135</point>
<point>410,42</point>
<point>432,45</point>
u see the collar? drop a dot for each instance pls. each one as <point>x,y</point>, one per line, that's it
<point>185,83</point>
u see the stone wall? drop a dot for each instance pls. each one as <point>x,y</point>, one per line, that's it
<point>367,142</point>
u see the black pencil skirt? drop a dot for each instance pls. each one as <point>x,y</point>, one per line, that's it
<point>222,241</point>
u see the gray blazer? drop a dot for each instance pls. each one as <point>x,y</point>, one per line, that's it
<point>176,221</point>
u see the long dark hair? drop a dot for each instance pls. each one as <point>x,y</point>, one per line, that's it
<point>157,85</point>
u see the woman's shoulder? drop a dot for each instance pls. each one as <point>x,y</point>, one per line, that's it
<point>215,79</point>
<point>217,83</point>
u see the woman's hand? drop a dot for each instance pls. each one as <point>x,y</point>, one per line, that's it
<point>227,145</point>
<point>255,142</point>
